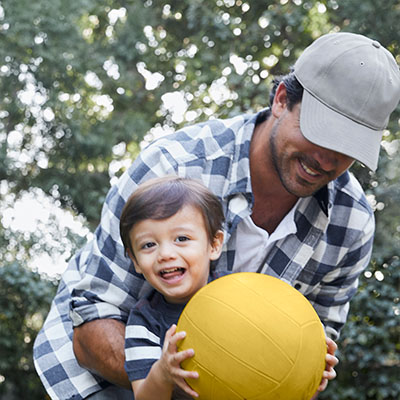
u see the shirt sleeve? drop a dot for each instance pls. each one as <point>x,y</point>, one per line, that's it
<point>331,299</point>
<point>143,344</point>
<point>109,285</point>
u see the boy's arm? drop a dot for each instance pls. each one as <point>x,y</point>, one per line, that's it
<point>154,386</point>
<point>166,372</point>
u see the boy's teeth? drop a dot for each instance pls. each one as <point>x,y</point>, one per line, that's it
<point>168,271</point>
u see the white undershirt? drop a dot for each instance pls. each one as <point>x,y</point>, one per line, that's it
<point>253,243</point>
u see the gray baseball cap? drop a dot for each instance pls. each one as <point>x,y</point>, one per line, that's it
<point>351,85</point>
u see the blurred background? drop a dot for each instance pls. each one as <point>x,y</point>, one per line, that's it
<point>85,84</point>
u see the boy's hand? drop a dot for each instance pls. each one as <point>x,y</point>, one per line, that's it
<point>171,359</point>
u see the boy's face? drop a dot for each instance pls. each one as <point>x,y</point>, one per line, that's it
<point>174,254</point>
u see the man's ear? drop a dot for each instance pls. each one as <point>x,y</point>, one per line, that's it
<point>133,259</point>
<point>216,245</point>
<point>279,104</point>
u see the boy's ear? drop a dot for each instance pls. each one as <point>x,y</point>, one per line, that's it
<point>133,259</point>
<point>216,245</point>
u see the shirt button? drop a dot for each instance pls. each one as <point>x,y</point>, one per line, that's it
<point>297,286</point>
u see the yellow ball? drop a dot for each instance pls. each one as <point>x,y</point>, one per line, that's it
<point>255,338</point>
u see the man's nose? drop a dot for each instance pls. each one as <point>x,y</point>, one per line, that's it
<point>327,159</point>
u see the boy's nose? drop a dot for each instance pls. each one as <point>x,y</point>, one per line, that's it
<point>166,251</point>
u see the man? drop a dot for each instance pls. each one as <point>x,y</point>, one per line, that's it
<point>292,210</point>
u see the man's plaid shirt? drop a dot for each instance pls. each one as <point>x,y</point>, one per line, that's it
<point>323,259</point>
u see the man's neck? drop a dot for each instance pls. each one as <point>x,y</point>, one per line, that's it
<point>271,200</point>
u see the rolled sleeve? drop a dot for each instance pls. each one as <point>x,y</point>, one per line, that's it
<point>331,299</point>
<point>109,285</point>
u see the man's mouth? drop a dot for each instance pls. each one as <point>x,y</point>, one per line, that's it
<point>308,169</point>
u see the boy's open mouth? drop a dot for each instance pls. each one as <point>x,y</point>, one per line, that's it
<point>170,273</point>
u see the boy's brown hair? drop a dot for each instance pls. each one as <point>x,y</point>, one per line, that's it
<point>161,198</point>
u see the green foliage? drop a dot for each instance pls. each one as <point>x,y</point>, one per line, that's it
<point>77,100</point>
<point>24,303</point>
<point>74,75</point>
<point>370,346</point>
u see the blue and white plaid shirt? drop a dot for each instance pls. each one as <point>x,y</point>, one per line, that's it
<point>323,259</point>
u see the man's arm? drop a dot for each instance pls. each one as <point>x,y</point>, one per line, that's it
<point>99,346</point>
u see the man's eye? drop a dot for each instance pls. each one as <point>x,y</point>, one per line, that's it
<point>148,245</point>
<point>182,239</point>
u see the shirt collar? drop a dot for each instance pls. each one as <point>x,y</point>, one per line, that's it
<point>326,194</point>
<point>239,180</point>
<point>322,197</point>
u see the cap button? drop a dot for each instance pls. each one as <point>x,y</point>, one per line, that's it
<point>376,44</point>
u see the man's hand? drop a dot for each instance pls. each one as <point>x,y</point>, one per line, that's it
<point>99,347</point>
<point>331,362</point>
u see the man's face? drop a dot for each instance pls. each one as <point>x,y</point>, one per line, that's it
<point>302,166</point>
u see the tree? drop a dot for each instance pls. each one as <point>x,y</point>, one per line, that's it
<point>24,301</point>
<point>84,82</point>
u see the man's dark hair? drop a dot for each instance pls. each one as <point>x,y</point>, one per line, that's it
<point>294,89</point>
<point>161,198</point>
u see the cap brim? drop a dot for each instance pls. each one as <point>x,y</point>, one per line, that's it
<point>329,129</point>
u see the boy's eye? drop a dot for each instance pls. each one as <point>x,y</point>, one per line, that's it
<point>148,245</point>
<point>182,239</point>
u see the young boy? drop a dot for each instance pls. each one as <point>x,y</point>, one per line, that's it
<point>171,230</point>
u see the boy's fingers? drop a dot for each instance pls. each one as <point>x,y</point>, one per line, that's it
<point>173,339</point>
<point>183,374</point>
<point>179,336</point>
<point>171,330</point>
<point>183,355</point>
<point>169,334</point>
<point>185,387</point>
<point>192,374</point>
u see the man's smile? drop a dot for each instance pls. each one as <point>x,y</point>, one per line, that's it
<point>308,169</point>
